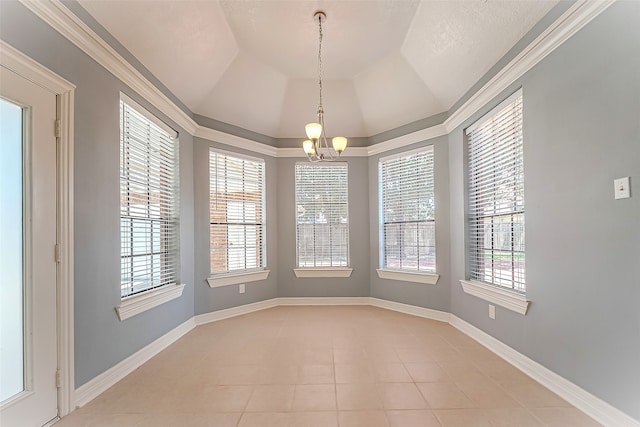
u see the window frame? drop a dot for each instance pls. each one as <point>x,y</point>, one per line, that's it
<point>144,299</point>
<point>506,296</point>
<point>405,274</point>
<point>317,269</point>
<point>240,275</point>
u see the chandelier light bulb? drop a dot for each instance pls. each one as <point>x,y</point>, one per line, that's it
<point>314,130</point>
<point>308,147</point>
<point>339,144</point>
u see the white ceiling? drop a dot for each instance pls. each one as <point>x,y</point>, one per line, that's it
<point>253,63</point>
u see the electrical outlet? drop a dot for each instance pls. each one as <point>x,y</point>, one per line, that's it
<point>492,311</point>
<point>241,288</point>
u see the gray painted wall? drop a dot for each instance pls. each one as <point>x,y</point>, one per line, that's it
<point>355,286</point>
<point>209,299</point>
<point>430,296</point>
<point>581,131</point>
<point>101,340</point>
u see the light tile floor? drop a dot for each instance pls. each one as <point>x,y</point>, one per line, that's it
<point>327,366</point>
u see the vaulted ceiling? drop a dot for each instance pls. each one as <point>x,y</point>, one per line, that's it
<point>253,63</point>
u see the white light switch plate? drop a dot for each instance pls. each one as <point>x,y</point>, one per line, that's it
<point>621,187</point>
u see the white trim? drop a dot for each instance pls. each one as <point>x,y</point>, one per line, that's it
<point>317,301</point>
<point>576,17</point>
<point>235,278</point>
<point>581,399</point>
<point>427,313</point>
<point>66,265</point>
<point>16,61</point>
<point>26,67</point>
<point>70,26</point>
<point>138,303</point>
<point>299,152</point>
<point>235,141</point>
<point>323,272</point>
<point>408,139</point>
<point>591,405</point>
<point>508,299</point>
<point>54,13</point>
<point>52,422</point>
<point>214,316</point>
<point>102,382</point>
<point>407,276</point>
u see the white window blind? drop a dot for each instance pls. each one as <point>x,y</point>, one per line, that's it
<point>236,209</point>
<point>407,205</point>
<point>496,197</point>
<point>149,188</point>
<point>322,215</point>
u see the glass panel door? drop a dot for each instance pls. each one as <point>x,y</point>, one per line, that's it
<point>12,354</point>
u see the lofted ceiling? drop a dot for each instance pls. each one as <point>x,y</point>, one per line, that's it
<point>253,63</point>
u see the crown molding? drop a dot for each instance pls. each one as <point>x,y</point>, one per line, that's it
<point>16,61</point>
<point>569,23</point>
<point>235,141</point>
<point>298,152</point>
<point>408,139</point>
<point>54,13</point>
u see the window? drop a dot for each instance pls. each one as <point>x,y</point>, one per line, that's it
<point>407,206</point>
<point>322,215</point>
<point>149,220</point>
<point>236,212</point>
<point>496,197</point>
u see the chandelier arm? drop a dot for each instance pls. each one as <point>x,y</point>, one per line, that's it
<point>327,154</point>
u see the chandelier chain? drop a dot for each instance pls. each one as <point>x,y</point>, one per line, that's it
<point>320,61</point>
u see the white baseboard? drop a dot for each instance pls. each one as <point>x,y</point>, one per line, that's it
<point>324,301</point>
<point>596,408</point>
<point>413,310</point>
<point>227,313</point>
<point>591,405</point>
<point>94,387</point>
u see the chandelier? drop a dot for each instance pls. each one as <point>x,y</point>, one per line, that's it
<point>316,147</point>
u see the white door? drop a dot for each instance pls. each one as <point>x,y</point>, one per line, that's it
<point>28,341</point>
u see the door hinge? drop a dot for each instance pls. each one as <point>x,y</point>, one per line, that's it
<point>57,254</point>
<point>56,130</point>
<point>58,379</point>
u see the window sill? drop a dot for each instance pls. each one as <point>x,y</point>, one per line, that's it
<point>323,272</point>
<point>405,276</point>
<point>138,303</point>
<point>236,278</point>
<point>503,297</point>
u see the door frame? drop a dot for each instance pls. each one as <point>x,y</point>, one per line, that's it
<point>26,67</point>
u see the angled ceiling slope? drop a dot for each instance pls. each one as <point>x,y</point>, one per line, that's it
<point>253,64</point>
